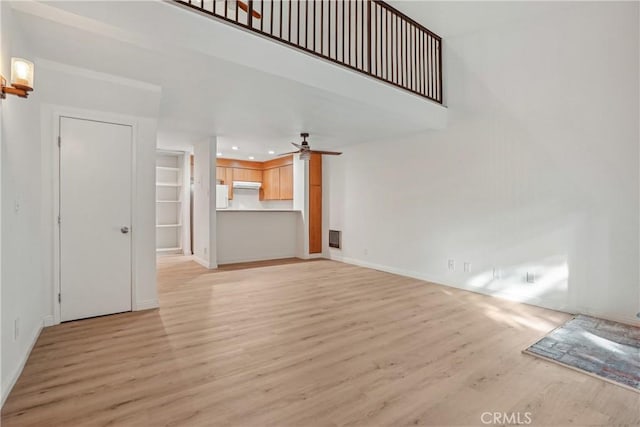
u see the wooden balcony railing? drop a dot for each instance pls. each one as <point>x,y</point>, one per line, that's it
<point>368,36</point>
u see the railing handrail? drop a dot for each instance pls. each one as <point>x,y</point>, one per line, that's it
<point>406,18</point>
<point>398,51</point>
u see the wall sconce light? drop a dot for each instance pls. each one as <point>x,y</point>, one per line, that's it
<point>21,79</point>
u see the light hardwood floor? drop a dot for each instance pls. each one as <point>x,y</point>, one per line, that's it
<point>315,343</point>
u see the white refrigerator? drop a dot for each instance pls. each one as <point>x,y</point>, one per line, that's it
<point>222,196</point>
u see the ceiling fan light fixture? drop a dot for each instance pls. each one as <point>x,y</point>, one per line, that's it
<point>305,155</point>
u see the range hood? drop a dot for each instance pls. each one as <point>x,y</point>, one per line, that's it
<point>247,185</point>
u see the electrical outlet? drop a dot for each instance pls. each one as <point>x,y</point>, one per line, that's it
<point>16,329</point>
<point>531,278</point>
<point>497,274</point>
<point>451,265</point>
<point>366,251</point>
<point>467,267</point>
<point>205,251</point>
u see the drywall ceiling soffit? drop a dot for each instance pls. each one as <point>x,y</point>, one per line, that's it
<point>138,23</point>
<point>205,95</point>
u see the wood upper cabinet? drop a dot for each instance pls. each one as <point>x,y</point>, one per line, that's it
<point>249,175</point>
<point>229,181</point>
<point>276,176</point>
<point>221,174</point>
<point>286,182</point>
<point>270,184</point>
<point>277,183</point>
<point>225,175</point>
<point>315,169</point>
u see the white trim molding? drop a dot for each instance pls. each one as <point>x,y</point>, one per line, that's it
<point>58,112</point>
<point>13,378</point>
<point>146,305</point>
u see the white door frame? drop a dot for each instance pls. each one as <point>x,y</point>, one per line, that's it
<point>58,114</point>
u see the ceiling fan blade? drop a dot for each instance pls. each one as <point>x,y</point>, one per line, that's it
<point>329,153</point>
<point>297,145</point>
<point>286,154</point>
<point>242,5</point>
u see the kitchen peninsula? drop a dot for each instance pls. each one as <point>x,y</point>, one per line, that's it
<point>259,221</point>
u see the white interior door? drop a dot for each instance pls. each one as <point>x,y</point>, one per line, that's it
<point>95,218</point>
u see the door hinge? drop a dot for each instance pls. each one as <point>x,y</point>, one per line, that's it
<point>59,220</point>
<point>59,141</point>
<point>59,298</point>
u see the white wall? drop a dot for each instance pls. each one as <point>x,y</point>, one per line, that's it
<point>536,172</point>
<point>28,160</point>
<point>250,199</point>
<point>204,203</point>
<point>81,92</point>
<point>23,282</point>
<point>301,204</point>
<point>4,55</point>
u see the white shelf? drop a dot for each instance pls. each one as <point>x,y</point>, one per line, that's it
<point>159,250</point>
<point>172,203</point>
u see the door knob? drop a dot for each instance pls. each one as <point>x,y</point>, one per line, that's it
<point>124,230</point>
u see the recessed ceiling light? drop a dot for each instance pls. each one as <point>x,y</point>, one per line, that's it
<point>272,152</point>
<point>251,157</point>
<point>234,148</point>
<point>219,154</point>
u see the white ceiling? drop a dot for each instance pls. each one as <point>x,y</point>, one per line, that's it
<point>256,111</point>
<point>203,95</point>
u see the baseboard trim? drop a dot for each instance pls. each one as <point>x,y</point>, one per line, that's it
<point>632,321</point>
<point>254,259</point>
<point>6,388</point>
<point>203,263</point>
<point>439,281</point>
<point>536,301</point>
<point>48,320</point>
<point>147,304</point>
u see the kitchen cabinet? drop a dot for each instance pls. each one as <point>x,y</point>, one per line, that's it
<point>225,176</point>
<point>286,182</point>
<point>221,174</point>
<point>315,204</point>
<point>277,183</point>
<point>315,169</point>
<point>270,184</point>
<point>228,181</point>
<point>249,175</point>
<point>315,219</point>
<point>276,176</point>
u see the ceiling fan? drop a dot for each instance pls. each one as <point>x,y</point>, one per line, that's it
<point>305,150</point>
<point>242,5</point>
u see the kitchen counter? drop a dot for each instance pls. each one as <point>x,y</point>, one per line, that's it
<point>256,235</point>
